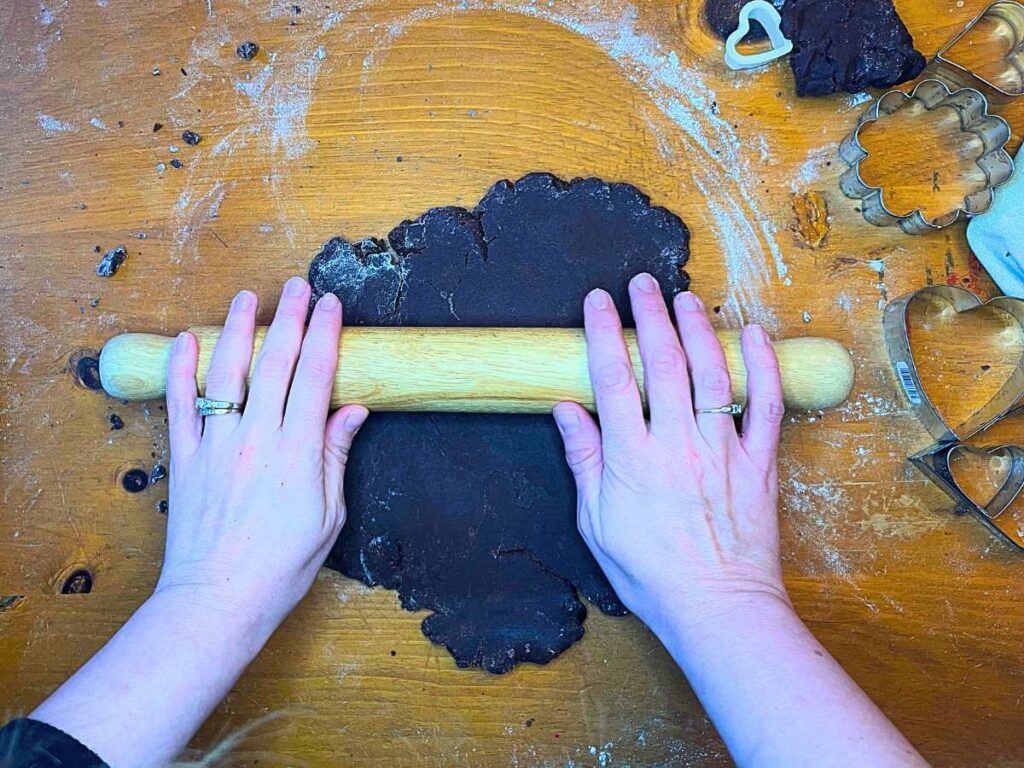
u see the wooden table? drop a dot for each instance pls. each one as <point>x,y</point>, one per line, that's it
<point>350,119</point>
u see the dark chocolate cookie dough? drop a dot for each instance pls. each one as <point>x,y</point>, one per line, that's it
<point>472,516</point>
<point>723,16</point>
<point>838,45</point>
<point>848,45</point>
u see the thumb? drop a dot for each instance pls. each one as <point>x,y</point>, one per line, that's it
<point>582,441</point>
<point>342,428</point>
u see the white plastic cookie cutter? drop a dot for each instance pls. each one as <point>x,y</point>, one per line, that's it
<point>763,13</point>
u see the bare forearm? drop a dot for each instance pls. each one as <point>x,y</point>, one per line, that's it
<point>145,693</point>
<point>776,695</point>
<point>256,501</point>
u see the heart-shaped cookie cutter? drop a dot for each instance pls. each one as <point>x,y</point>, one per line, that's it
<point>1003,32</point>
<point>934,461</point>
<point>897,339</point>
<point>768,17</point>
<point>972,109</point>
<point>935,464</point>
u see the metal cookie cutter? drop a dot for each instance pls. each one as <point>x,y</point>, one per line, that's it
<point>998,30</point>
<point>972,109</point>
<point>897,339</point>
<point>935,461</point>
<point>935,464</point>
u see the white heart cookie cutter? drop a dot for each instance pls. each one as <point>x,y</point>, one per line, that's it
<point>765,14</point>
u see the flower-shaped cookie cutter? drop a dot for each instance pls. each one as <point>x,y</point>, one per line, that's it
<point>972,109</point>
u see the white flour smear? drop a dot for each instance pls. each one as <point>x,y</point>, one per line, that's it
<point>719,167</point>
<point>282,103</point>
<point>52,125</point>
<point>280,94</point>
<point>272,113</point>
<point>50,18</point>
<point>191,214</point>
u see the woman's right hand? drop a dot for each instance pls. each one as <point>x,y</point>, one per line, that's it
<point>681,515</point>
<point>679,512</point>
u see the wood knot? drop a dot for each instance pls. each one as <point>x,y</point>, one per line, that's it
<point>84,366</point>
<point>811,221</point>
<point>77,583</point>
<point>135,480</point>
<point>9,601</point>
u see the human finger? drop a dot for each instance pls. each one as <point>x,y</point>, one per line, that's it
<point>339,434</point>
<point>665,377</point>
<point>184,424</point>
<point>582,440</point>
<point>310,395</point>
<point>611,372</point>
<point>762,419</point>
<point>229,364</point>
<point>275,363</point>
<point>708,372</point>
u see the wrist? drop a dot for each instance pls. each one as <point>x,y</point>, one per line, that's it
<point>713,617</point>
<point>174,660</point>
<point>208,618</point>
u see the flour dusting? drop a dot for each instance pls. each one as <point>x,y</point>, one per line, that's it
<point>191,214</point>
<point>282,103</point>
<point>680,93</point>
<point>818,160</point>
<point>49,18</point>
<point>53,126</point>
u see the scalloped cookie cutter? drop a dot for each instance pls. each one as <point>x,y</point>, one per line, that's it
<point>972,109</point>
<point>765,14</point>
<point>934,461</point>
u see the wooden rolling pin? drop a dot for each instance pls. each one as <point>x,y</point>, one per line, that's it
<point>498,370</point>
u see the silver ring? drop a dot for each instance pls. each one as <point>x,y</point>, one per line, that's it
<point>208,407</point>
<point>733,409</point>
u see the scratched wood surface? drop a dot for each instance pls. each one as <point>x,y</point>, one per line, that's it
<point>354,116</point>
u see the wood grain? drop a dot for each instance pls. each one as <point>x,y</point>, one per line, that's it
<point>303,143</point>
<point>486,370</point>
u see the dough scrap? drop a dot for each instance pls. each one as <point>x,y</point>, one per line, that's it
<point>848,45</point>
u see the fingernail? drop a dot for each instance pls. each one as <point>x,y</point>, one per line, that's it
<point>294,287</point>
<point>355,418</point>
<point>758,336</point>
<point>645,283</point>
<point>243,300</point>
<point>328,301</point>
<point>181,342</point>
<point>566,419</point>
<point>598,298</point>
<point>690,302</point>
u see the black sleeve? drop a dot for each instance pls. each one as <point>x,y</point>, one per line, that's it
<point>28,743</point>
